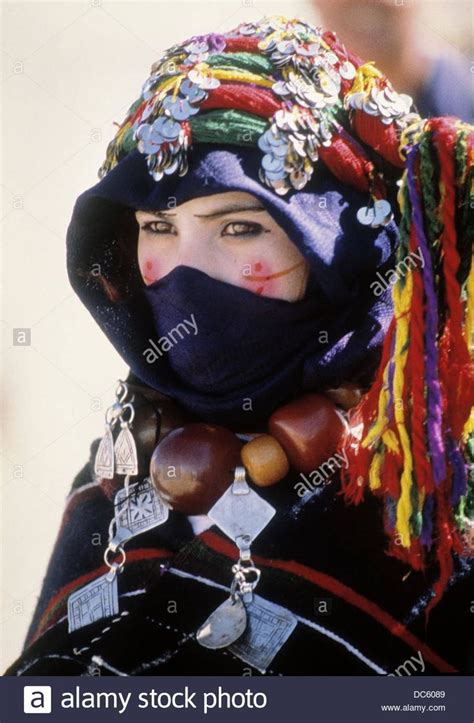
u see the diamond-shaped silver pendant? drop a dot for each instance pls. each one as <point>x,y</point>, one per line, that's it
<point>138,510</point>
<point>268,628</point>
<point>97,600</point>
<point>241,512</point>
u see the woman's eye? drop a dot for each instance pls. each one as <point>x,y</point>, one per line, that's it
<point>242,228</point>
<point>158,227</point>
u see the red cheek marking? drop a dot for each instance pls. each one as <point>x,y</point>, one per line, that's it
<point>255,278</point>
<point>269,281</point>
<point>151,271</point>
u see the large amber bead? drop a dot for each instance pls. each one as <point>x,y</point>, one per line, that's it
<point>193,465</point>
<point>309,429</point>
<point>265,460</point>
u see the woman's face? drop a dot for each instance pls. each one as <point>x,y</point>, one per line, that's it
<point>229,236</point>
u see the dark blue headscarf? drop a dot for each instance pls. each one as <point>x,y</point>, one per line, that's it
<point>344,258</point>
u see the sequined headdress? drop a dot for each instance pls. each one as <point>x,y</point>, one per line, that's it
<point>300,98</point>
<point>280,84</point>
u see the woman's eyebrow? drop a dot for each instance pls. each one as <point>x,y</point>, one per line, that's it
<point>157,213</point>
<point>233,208</point>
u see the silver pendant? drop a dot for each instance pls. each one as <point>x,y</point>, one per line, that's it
<point>269,627</point>
<point>241,512</point>
<point>224,626</point>
<point>104,459</point>
<point>242,515</point>
<point>126,453</point>
<point>138,509</point>
<point>97,600</point>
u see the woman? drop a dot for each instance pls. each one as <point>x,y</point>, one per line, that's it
<point>239,252</point>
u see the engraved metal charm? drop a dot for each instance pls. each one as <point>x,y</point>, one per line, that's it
<point>104,461</point>
<point>138,508</point>
<point>123,458</point>
<point>224,626</point>
<point>98,599</point>
<point>126,459</point>
<point>268,628</point>
<point>241,512</point>
<point>242,515</point>
<point>228,622</point>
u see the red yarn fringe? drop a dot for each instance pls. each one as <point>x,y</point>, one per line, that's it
<point>414,556</point>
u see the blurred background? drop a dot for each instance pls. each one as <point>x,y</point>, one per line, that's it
<point>69,71</point>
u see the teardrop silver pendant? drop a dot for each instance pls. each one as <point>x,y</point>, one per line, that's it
<point>104,460</point>
<point>126,461</point>
<point>224,626</point>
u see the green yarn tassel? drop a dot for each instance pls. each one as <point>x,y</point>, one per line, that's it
<point>469,505</point>
<point>465,225</point>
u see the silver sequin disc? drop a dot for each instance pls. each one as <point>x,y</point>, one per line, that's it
<point>365,215</point>
<point>347,71</point>
<point>382,211</point>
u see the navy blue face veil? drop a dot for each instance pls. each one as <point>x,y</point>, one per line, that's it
<point>236,348</point>
<point>273,349</point>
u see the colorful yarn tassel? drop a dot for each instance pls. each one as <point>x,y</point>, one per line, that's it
<point>417,421</point>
